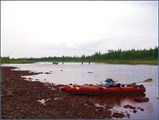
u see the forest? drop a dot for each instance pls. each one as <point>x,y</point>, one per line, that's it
<point>145,56</point>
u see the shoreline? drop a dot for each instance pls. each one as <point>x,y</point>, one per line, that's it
<point>23,99</point>
<point>103,62</point>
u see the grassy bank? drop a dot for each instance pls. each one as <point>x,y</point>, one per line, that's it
<point>150,62</point>
<point>137,61</point>
<point>16,61</point>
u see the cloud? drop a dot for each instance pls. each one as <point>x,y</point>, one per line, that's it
<point>76,27</point>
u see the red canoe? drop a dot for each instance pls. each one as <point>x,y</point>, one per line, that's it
<point>92,90</point>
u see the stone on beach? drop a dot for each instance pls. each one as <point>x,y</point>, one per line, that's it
<point>141,99</point>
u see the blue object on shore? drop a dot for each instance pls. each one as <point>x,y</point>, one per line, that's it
<point>109,80</point>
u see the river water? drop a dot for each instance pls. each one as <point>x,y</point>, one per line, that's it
<point>77,73</point>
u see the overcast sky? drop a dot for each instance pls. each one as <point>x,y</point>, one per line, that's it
<point>56,28</point>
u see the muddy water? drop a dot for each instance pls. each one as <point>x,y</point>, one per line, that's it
<point>77,73</point>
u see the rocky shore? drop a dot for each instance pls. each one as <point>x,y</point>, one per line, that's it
<point>27,99</point>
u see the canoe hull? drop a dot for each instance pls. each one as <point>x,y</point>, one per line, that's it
<point>102,91</point>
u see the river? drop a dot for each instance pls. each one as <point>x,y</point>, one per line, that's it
<point>77,73</point>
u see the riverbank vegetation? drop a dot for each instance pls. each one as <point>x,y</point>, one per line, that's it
<point>145,56</point>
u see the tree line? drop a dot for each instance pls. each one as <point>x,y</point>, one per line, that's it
<point>127,54</point>
<point>111,55</point>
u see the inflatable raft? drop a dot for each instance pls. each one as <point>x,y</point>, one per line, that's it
<point>96,90</point>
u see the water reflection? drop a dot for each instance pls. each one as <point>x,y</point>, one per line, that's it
<point>118,100</point>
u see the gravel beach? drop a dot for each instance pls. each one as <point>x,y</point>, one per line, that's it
<point>27,99</point>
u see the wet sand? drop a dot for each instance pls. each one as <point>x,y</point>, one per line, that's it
<point>23,99</point>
